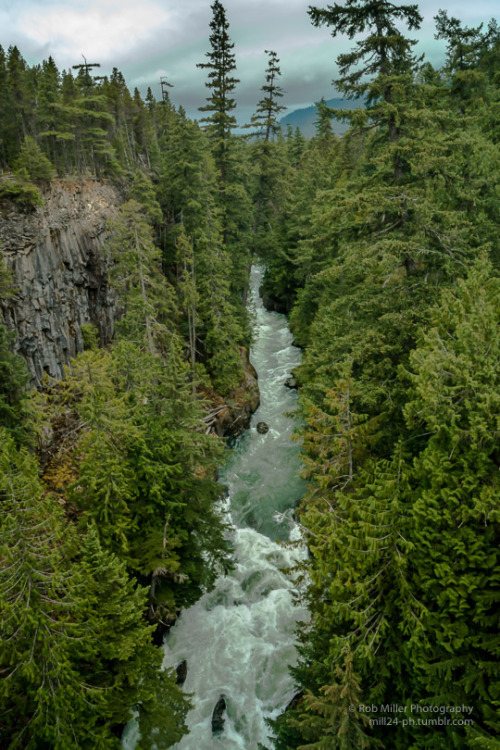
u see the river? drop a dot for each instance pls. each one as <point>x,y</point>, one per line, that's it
<point>238,640</point>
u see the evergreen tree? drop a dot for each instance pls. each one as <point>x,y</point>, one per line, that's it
<point>118,645</point>
<point>232,199</point>
<point>14,376</point>
<point>188,192</point>
<point>455,565</point>
<point>267,157</point>
<point>33,160</point>
<point>3,106</point>
<point>331,723</point>
<point>464,49</point>
<point>54,117</point>
<point>44,702</point>
<point>92,147</point>
<point>221,64</point>
<point>76,654</point>
<point>399,218</point>
<point>16,104</point>
<point>380,66</point>
<point>149,309</point>
<point>264,121</point>
<point>137,463</point>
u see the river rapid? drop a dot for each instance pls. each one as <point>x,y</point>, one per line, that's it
<point>238,640</point>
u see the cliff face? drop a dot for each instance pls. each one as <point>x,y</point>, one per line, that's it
<point>56,257</point>
<point>55,254</point>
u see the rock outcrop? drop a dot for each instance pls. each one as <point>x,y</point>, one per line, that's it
<point>218,719</point>
<point>181,672</point>
<point>55,254</point>
<point>234,417</point>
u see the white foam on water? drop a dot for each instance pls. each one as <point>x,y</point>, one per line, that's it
<point>239,639</point>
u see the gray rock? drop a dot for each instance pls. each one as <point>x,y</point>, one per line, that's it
<point>60,272</point>
<point>218,719</point>
<point>290,382</point>
<point>181,670</point>
<point>262,428</point>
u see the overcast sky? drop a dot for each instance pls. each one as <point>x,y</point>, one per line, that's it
<point>152,38</point>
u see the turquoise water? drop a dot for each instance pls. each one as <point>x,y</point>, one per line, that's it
<point>238,640</point>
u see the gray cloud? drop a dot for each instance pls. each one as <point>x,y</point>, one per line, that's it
<point>162,37</point>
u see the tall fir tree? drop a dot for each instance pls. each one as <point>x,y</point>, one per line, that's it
<point>221,64</point>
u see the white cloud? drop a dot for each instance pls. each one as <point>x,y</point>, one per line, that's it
<point>99,29</point>
<point>146,39</point>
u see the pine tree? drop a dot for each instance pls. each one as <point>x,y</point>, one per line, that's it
<point>267,157</point>
<point>33,160</point>
<point>92,147</point>
<point>465,46</point>
<point>118,646</point>
<point>149,308</point>
<point>380,66</point>
<point>3,106</point>
<point>55,124</point>
<point>330,722</point>
<point>361,599</point>
<point>264,121</point>
<point>14,377</point>
<point>15,125</point>
<point>189,297</point>
<point>455,565</point>
<point>188,191</point>
<point>43,699</point>
<point>221,64</point>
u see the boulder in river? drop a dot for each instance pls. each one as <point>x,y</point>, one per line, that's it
<point>262,427</point>
<point>290,382</point>
<point>217,716</point>
<point>181,670</point>
<point>292,705</point>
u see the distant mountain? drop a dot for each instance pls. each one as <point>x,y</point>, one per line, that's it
<point>305,118</point>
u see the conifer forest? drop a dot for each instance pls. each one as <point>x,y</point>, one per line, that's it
<point>381,248</point>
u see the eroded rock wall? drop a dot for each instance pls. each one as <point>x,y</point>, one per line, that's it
<point>55,254</point>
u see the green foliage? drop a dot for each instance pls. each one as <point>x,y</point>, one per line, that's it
<point>90,336</point>
<point>454,397</point>
<point>143,469</point>
<point>389,259</point>
<point>41,693</point>
<point>148,300</point>
<point>76,653</point>
<point>142,190</point>
<point>221,64</point>
<point>264,121</point>
<point>195,254</point>
<point>33,160</point>
<point>119,643</point>
<point>379,241</point>
<point>19,188</point>
<point>332,724</point>
<point>14,377</point>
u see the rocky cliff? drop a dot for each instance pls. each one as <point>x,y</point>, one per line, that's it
<point>55,254</point>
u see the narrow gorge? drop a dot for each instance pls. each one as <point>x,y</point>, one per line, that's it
<point>238,640</point>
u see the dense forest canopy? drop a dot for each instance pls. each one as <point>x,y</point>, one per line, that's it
<point>383,247</point>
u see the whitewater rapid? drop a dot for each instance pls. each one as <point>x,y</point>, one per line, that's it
<point>238,640</point>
